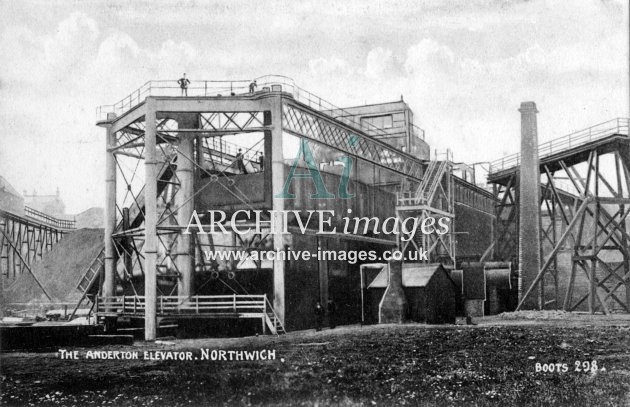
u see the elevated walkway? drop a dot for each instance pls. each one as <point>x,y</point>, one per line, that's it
<point>304,115</point>
<point>25,239</point>
<point>41,217</point>
<point>572,149</point>
<point>196,307</point>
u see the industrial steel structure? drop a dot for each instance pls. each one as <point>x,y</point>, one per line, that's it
<point>24,238</point>
<point>550,232</point>
<point>584,203</point>
<point>225,147</point>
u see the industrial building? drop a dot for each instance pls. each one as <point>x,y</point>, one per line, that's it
<point>172,160</point>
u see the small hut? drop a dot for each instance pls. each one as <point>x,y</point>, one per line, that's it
<point>430,293</point>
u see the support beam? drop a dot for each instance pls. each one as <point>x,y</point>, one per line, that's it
<point>185,203</point>
<point>109,283</point>
<point>150,223</point>
<point>277,182</point>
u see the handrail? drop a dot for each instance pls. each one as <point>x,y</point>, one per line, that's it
<point>204,88</point>
<point>575,139</point>
<point>275,316</point>
<point>49,220</point>
<point>171,88</point>
<point>417,131</point>
<point>198,304</point>
<point>219,145</point>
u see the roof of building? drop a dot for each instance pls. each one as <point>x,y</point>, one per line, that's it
<point>413,275</point>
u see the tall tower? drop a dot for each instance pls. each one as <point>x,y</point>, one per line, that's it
<point>529,215</point>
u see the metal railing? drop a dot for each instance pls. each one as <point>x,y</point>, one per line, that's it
<point>49,220</point>
<point>172,88</point>
<point>220,146</point>
<point>576,139</point>
<point>417,132</point>
<point>197,304</point>
<point>202,88</point>
<point>443,155</point>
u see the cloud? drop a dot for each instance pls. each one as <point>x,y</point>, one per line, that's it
<point>54,82</point>
<point>327,66</point>
<point>463,68</point>
<point>464,100</point>
<point>378,61</point>
<point>429,55</point>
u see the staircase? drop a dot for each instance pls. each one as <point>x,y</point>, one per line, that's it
<point>91,275</point>
<point>432,178</point>
<point>271,319</point>
<point>87,280</point>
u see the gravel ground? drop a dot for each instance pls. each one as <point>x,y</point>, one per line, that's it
<point>493,363</point>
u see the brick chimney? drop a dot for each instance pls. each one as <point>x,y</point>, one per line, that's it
<point>529,207</point>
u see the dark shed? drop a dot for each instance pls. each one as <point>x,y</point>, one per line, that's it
<point>429,290</point>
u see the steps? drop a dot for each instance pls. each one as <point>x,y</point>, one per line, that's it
<point>432,178</point>
<point>91,275</point>
<point>273,322</point>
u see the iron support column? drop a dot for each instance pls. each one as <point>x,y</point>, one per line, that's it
<point>150,222</point>
<point>109,287</point>
<point>185,202</point>
<point>277,182</point>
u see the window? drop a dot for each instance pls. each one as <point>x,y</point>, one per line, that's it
<point>385,121</point>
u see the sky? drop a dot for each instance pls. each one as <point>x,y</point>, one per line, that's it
<point>463,67</point>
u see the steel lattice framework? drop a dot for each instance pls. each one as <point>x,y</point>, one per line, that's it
<point>308,124</point>
<point>433,198</point>
<point>23,241</point>
<point>216,155</point>
<point>165,152</point>
<point>585,203</point>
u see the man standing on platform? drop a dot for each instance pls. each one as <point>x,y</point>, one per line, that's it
<point>183,84</point>
<point>239,162</point>
<point>261,161</point>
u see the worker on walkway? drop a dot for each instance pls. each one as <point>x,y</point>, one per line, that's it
<point>261,161</point>
<point>239,161</point>
<point>183,84</point>
<point>252,87</point>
